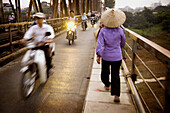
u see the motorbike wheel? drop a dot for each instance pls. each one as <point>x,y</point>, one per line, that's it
<point>84,28</point>
<point>27,83</point>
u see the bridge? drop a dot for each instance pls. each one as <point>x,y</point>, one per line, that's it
<point>75,85</point>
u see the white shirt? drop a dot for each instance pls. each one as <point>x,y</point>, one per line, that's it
<point>89,14</point>
<point>74,19</point>
<point>38,34</point>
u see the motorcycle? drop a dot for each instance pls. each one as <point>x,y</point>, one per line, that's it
<point>92,21</point>
<point>34,66</point>
<point>71,27</point>
<point>84,25</point>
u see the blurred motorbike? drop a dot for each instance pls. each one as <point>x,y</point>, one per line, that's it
<point>34,66</point>
<point>84,25</point>
<point>92,21</point>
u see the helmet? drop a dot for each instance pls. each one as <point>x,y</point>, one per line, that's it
<point>39,15</point>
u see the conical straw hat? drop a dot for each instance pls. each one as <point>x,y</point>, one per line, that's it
<point>113,18</point>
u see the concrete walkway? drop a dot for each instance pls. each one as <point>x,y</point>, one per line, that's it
<point>100,101</point>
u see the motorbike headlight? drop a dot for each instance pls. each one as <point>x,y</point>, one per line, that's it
<point>70,24</point>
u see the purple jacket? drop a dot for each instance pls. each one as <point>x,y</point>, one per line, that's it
<point>110,42</point>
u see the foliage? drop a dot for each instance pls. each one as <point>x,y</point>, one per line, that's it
<point>148,18</point>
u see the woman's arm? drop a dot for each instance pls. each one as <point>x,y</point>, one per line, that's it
<point>123,38</point>
<point>100,46</point>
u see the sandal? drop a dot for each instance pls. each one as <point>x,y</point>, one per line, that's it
<point>116,99</point>
<point>106,88</point>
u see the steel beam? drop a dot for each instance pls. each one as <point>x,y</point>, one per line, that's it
<point>82,6</point>
<point>13,9</point>
<point>1,12</point>
<point>35,6</point>
<point>61,9</point>
<point>65,7</point>
<point>40,7</point>
<point>87,6</point>
<point>29,10</point>
<point>55,8</point>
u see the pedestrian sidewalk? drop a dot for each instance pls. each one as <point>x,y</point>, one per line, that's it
<point>100,101</point>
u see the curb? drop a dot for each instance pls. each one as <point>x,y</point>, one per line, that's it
<point>5,60</point>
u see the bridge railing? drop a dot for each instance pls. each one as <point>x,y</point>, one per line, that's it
<point>163,55</point>
<point>57,23</point>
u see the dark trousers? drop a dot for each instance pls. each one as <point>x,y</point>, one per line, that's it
<point>47,56</point>
<point>115,79</point>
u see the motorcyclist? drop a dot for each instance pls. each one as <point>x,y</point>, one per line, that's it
<point>93,15</point>
<point>73,19</point>
<point>37,33</point>
<point>89,15</point>
<point>84,17</point>
<point>11,18</point>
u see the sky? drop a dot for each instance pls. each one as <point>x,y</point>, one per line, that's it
<point>119,3</point>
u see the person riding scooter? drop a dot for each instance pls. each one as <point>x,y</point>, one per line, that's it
<point>73,19</point>
<point>37,33</point>
<point>84,18</point>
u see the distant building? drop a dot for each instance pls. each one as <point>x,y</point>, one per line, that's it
<point>97,5</point>
<point>45,4</point>
<point>154,5</point>
<point>139,9</point>
<point>109,3</point>
<point>127,8</point>
<point>7,7</point>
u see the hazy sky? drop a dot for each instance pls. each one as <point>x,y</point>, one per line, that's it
<point>119,3</point>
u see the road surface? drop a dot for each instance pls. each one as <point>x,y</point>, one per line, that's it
<point>66,88</point>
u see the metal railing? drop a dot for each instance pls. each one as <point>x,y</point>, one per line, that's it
<point>57,23</point>
<point>157,51</point>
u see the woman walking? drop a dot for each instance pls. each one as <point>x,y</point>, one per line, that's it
<point>110,41</point>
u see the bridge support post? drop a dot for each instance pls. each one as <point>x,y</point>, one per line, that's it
<point>70,5</point>
<point>35,6</point>
<point>167,91</point>
<point>29,11</point>
<point>82,6</point>
<point>1,12</point>
<point>55,8</point>
<point>10,39</point>
<point>134,50</point>
<point>65,8</point>
<point>40,7</point>
<point>76,7</point>
<point>61,9</point>
<point>87,6</point>
<point>13,8</point>
<point>90,7</point>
